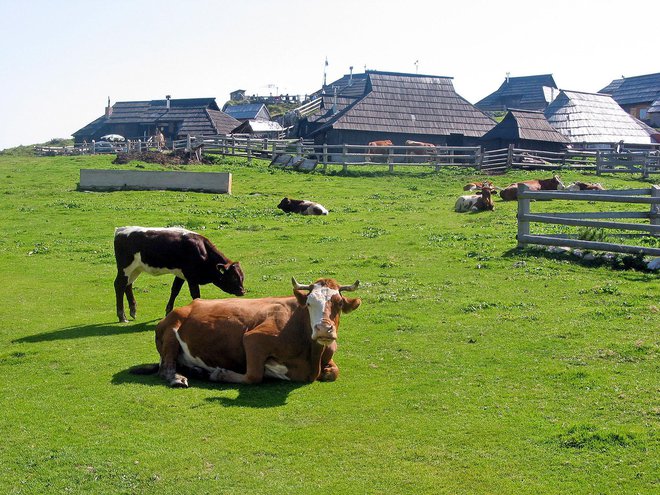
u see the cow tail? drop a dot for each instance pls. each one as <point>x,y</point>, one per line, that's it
<point>145,369</point>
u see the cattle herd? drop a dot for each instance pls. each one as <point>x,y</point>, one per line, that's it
<point>244,340</point>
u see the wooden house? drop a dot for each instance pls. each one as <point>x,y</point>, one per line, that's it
<point>360,108</point>
<point>526,129</point>
<point>525,93</point>
<point>260,129</point>
<point>636,95</point>
<point>594,120</point>
<point>175,118</point>
<point>249,111</point>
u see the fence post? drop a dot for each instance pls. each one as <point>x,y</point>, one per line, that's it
<point>248,149</point>
<point>598,162</point>
<point>344,157</point>
<point>479,159</point>
<point>509,157</point>
<point>523,211</point>
<point>325,156</point>
<point>389,159</point>
<point>654,214</point>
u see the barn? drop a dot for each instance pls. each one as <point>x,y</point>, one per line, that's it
<point>526,93</point>
<point>176,119</point>
<point>526,129</point>
<point>594,120</point>
<point>359,108</point>
<point>248,111</point>
<point>637,95</point>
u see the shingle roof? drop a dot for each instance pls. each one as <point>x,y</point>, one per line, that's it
<point>196,115</point>
<point>637,89</point>
<point>519,92</point>
<point>409,104</point>
<point>528,125</point>
<point>247,111</point>
<point>593,118</point>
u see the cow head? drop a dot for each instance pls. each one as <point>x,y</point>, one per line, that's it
<point>284,204</point>
<point>230,278</point>
<point>325,303</point>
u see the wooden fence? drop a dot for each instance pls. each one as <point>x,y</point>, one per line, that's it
<point>649,196</point>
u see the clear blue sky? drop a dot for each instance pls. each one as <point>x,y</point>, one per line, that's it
<point>60,60</point>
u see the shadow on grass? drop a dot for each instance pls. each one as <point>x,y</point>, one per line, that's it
<point>270,393</point>
<point>84,331</point>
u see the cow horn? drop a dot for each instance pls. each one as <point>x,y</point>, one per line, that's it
<point>349,287</point>
<point>298,286</point>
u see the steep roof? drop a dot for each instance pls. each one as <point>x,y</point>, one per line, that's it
<point>637,89</point>
<point>196,115</point>
<point>529,125</point>
<point>247,111</point>
<point>519,92</point>
<point>593,118</point>
<point>404,103</point>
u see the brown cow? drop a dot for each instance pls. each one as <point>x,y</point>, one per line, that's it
<point>379,149</point>
<point>473,186</point>
<point>244,340</point>
<point>475,202</point>
<point>590,186</point>
<point>510,193</point>
<point>422,148</point>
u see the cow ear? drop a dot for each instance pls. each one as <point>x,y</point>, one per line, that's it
<point>302,298</point>
<point>222,268</point>
<point>350,304</point>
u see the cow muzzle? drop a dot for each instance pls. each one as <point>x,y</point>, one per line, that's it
<point>325,332</point>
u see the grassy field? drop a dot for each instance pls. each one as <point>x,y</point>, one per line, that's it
<point>470,368</point>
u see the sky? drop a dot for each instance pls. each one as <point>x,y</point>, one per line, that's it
<point>61,60</point>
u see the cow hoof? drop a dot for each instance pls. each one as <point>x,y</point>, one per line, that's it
<point>179,381</point>
<point>133,313</point>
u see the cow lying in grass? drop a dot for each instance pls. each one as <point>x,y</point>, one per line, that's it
<point>244,340</point>
<point>475,202</point>
<point>510,193</point>
<point>189,256</point>
<point>301,206</point>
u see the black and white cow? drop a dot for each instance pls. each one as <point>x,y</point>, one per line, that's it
<point>189,256</point>
<point>301,206</point>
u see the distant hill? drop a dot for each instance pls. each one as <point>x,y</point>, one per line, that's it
<point>29,149</point>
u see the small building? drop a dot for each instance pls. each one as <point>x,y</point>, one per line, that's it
<point>238,95</point>
<point>524,93</point>
<point>248,111</point>
<point>526,129</point>
<point>594,120</point>
<point>359,108</point>
<point>636,95</point>
<point>260,129</point>
<point>175,118</point>
<point>653,113</point>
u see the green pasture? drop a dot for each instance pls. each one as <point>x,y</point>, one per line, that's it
<point>470,368</point>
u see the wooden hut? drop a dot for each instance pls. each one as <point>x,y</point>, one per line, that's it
<point>594,120</point>
<point>636,94</point>
<point>526,129</point>
<point>248,111</point>
<point>360,108</point>
<point>175,118</point>
<point>527,93</point>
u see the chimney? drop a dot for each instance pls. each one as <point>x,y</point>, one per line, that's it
<point>508,75</point>
<point>167,103</point>
<point>350,79</point>
<point>108,109</point>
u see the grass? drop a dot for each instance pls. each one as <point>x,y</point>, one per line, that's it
<point>471,367</point>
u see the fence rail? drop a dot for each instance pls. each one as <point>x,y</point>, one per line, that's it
<point>649,196</point>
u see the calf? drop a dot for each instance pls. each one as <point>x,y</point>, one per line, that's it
<point>475,202</point>
<point>189,256</point>
<point>302,206</point>
<point>244,340</point>
<point>510,193</point>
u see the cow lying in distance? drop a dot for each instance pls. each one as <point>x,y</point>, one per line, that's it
<point>302,206</point>
<point>421,148</point>
<point>589,186</point>
<point>189,256</point>
<point>244,340</point>
<point>475,202</point>
<point>510,193</point>
<point>475,186</point>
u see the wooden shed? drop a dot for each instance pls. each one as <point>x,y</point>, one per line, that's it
<point>175,118</point>
<point>636,95</point>
<point>360,108</point>
<point>526,129</point>
<point>248,111</point>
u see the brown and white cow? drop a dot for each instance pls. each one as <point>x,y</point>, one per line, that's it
<point>244,340</point>
<point>420,147</point>
<point>475,202</point>
<point>189,256</point>
<point>378,149</point>
<point>510,193</point>
<point>302,206</point>
<point>474,186</point>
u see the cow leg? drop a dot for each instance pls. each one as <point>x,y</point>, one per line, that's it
<point>194,290</point>
<point>132,303</point>
<point>169,349</point>
<point>176,288</point>
<point>121,282</point>
<point>256,360</point>
<point>329,372</point>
